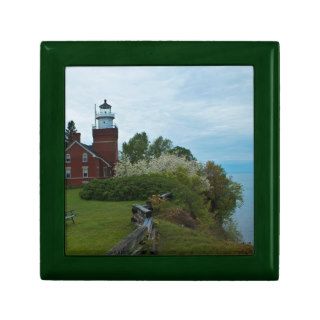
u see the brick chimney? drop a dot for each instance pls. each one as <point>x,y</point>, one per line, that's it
<point>76,136</point>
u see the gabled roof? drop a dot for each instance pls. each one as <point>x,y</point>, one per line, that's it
<point>88,149</point>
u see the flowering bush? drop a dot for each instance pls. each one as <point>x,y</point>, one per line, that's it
<point>166,164</point>
<point>162,164</point>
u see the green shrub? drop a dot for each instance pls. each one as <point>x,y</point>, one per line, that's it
<point>186,190</point>
<point>190,196</point>
<point>129,188</point>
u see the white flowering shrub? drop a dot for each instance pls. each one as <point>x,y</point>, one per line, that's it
<point>166,163</point>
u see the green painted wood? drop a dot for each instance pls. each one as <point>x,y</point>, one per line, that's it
<point>263,56</point>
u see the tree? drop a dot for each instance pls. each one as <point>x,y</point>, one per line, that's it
<point>159,146</point>
<point>136,148</point>
<point>71,129</point>
<point>139,148</point>
<point>183,152</point>
<point>224,195</point>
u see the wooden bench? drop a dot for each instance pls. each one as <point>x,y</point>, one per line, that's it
<point>70,215</point>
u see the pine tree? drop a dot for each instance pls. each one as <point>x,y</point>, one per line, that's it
<point>71,129</point>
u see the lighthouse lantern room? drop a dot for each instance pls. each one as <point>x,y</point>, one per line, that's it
<point>104,116</point>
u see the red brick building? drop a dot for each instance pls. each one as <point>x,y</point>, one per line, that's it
<point>86,162</point>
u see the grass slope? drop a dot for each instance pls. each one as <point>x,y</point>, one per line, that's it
<point>100,225</point>
<point>179,240</point>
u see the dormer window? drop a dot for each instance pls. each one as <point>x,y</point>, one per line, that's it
<point>84,157</point>
<point>68,158</point>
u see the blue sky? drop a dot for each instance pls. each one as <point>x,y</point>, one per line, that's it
<point>208,110</point>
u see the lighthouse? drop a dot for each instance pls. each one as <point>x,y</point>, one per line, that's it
<point>104,117</point>
<point>105,134</point>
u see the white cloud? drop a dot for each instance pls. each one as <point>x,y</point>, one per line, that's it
<point>207,109</point>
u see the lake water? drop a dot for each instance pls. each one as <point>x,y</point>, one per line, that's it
<point>244,216</point>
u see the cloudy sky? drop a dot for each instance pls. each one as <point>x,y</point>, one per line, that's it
<point>208,110</point>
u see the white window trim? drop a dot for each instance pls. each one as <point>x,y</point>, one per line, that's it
<point>85,169</point>
<point>68,158</point>
<point>85,155</point>
<point>90,152</point>
<point>68,169</point>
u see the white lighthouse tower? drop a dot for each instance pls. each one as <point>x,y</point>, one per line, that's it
<point>104,116</point>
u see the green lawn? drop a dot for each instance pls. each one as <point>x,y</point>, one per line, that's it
<point>100,225</point>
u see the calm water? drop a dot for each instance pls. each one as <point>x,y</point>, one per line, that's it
<point>244,215</point>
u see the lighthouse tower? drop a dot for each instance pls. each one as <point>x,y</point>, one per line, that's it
<point>104,116</point>
<point>105,134</point>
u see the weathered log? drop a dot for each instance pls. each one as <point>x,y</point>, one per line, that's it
<point>128,244</point>
<point>166,196</point>
<point>137,251</point>
<point>148,223</point>
<point>140,213</point>
<point>142,209</point>
<point>137,219</point>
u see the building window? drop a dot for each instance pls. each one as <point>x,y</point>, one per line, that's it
<point>68,172</point>
<point>68,158</point>
<point>85,172</point>
<point>84,157</point>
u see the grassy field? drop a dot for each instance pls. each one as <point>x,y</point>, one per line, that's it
<point>101,224</point>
